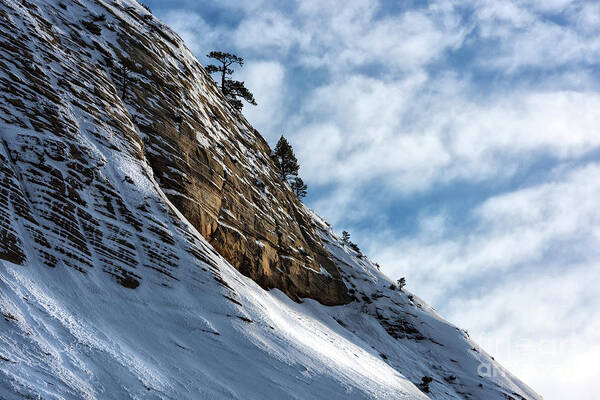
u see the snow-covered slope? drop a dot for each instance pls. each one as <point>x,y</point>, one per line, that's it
<point>108,290</point>
<point>68,335</point>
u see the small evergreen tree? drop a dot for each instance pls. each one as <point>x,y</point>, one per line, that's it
<point>401,283</point>
<point>124,72</point>
<point>233,90</point>
<point>299,187</point>
<point>124,78</point>
<point>285,159</point>
<point>346,236</point>
<point>352,245</point>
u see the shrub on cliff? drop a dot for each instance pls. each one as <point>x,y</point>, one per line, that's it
<point>401,283</point>
<point>299,187</point>
<point>233,90</point>
<point>346,236</point>
<point>285,159</point>
<point>352,245</point>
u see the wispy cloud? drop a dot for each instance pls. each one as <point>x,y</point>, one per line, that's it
<point>193,29</point>
<point>507,232</point>
<point>266,80</point>
<point>412,134</point>
<point>542,35</point>
<point>543,326</point>
<point>269,32</point>
<point>520,279</point>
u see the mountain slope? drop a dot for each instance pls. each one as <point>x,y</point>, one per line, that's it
<point>131,195</point>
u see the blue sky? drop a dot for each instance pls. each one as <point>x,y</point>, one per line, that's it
<point>459,144</point>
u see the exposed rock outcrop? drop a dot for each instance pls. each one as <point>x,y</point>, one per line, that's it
<point>136,89</point>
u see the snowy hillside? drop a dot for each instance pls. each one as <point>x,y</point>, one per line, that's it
<point>140,227</point>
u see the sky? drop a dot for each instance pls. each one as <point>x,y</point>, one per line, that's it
<point>458,142</point>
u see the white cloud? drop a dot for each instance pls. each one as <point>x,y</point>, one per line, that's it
<point>266,80</point>
<point>193,29</point>
<point>342,38</point>
<point>411,134</point>
<point>511,230</point>
<point>560,122</point>
<point>363,137</point>
<point>411,40</point>
<point>587,18</point>
<point>269,32</point>
<point>542,327</point>
<point>550,5</point>
<point>526,38</point>
<point>524,273</point>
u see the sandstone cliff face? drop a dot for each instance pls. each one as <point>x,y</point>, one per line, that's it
<point>164,110</point>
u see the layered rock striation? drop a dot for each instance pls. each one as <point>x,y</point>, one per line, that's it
<point>81,80</point>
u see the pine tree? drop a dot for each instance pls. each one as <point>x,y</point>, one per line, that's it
<point>285,159</point>
<point>124,77</point>
<point>299,187</point>
<point>124,72</point>
<point>401,283</point>
<point>233,90</point>
<point>346,236</point>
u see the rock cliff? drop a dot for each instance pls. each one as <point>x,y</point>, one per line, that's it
<point>138,91</point>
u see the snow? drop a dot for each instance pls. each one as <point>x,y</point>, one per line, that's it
<point>323,271</point>
<point>81,336</point>
<point>202,140</point>
<point>228,212</point>
<point>77,337</point>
